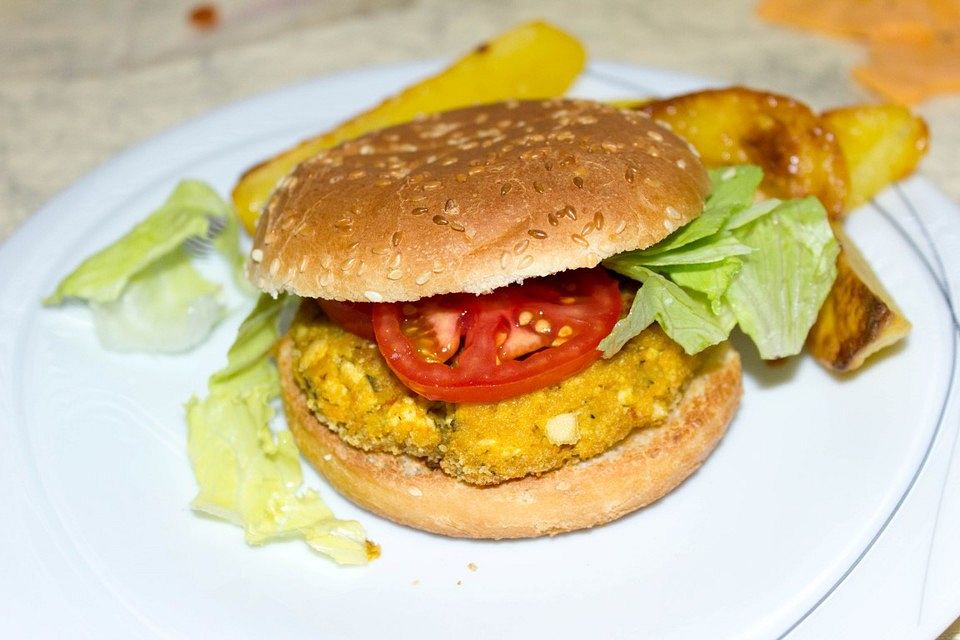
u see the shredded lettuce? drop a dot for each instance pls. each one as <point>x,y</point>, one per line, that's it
<point>144,292</point>
<point>685,316</point>
<point>766,266</point>
<point>169,295</point>
<point>783,283</point>
<point>247,474</point>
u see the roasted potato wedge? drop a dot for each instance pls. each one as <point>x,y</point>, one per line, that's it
<point>799,156</point>
<point>881,143</point>
<point>533,60</point>
<point>858,317</point>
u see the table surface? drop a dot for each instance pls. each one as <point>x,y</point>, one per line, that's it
<point>81,81</point>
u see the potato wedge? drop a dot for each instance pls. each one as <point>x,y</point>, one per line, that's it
<point>858,317</point>
<point>881,143</point>
<point>735,125</point>
<point>533,60</point>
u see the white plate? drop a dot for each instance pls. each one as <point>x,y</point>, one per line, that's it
<point>823,509</point>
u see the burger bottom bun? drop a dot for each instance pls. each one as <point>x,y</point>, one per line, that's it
<point>642,468</point>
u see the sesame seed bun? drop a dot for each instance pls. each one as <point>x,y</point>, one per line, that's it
<point>475,199</point>
<point>642,468</point>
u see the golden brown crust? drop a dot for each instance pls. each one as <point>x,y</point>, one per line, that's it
<point>638,471</point>
<point>474,199</point>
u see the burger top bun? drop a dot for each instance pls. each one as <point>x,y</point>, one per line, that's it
<point>475,199</point>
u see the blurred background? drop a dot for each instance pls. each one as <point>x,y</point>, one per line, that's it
<point>81,80</point>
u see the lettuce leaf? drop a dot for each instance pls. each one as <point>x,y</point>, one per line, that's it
<point>711,279</point>
<point>103,276</point>
<point>766,266</point>
<point>731,189</point>
<point>783,283</point>
<point>167,307</point>
<point>685,316</point>
<point>143,290</point>
<point>247,474</point>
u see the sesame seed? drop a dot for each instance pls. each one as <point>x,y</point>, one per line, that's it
<point>335,179</point>
<point>451,207</point>
<point>394,274</point>
<point>383,182</point>
<point>449,161</point>
<point>673,214</point>
<point>418,211</point>
<point>579,239</point>
<point>630,174</point>
<point>587,229</point>
<point>609,147</point>
<point>504,260</point>
<point>461,177</point>
<point>552,219</point>
<point>326,279</point>
<point>570,212</point>
<point>431,185</point>
<point>505,189</point>
<point>415,492</point>
<point>620,227</point>
<point>354,175</point>
<point>525,262</point>
<point>537,187</point>
<point>395,261</point>
<point>655,135</point>
<point>537,233</point>
<point>373,296</point>
<point>274,267</point>
<point>440,220</point>
<point>668,225</point>
<point>578,181</point>
<point>681,164</point>
<point>422,278</point>
<point>598,221</point>
<point>456,226</point>
<point>347,264</point>
<point>256,255</point>
<point>521,246</point>
<point>396,238</point>
<point>326,261</point>
<point>474,171</point>
<point>548,165</point>
<point>304,263</point>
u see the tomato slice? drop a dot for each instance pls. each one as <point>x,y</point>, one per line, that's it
<point>466,348</point>
<point>352,316</point>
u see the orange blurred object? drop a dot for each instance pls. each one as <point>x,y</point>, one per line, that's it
<point>204,17</point>
<point>910,65</point>
<point>914,45</point>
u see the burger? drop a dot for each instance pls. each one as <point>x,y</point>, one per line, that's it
<point>443,369</point>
